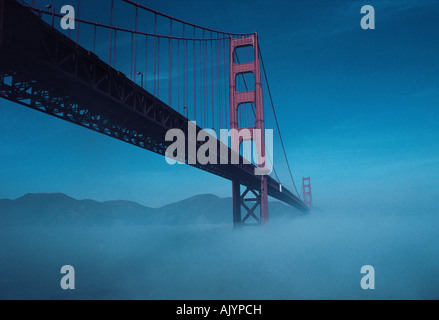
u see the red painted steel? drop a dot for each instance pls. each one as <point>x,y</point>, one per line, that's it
<point>253,96</point>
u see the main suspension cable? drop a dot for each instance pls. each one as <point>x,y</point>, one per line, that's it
<point>182,21</point>
<point>277,122</point>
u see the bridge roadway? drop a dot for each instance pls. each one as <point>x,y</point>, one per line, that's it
<point>43,69</point>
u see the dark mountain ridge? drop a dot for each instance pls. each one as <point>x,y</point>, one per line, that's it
<point>60,209</point>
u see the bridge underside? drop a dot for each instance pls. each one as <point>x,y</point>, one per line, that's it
<point>42,69</point>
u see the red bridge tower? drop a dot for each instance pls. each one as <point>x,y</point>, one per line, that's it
<point>307,194</point>
<point>259,195</point>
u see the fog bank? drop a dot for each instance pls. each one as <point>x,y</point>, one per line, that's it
<point>312,257</point>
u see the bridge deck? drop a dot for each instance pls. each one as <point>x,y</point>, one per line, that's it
<point>42,69</point>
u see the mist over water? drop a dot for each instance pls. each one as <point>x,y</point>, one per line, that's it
<point>311,257</point>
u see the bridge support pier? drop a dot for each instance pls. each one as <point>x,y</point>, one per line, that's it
<point>236,186</point>
<point>264,200</point>
<point>250,200</point>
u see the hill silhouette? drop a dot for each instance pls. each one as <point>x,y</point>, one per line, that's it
<point>60,209</point>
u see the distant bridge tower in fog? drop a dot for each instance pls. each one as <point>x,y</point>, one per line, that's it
<point>307,194</point>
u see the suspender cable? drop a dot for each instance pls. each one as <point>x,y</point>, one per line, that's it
<point>94,39</point>
<point>135,45</point>
<point>206,74</point>
<point>132,59</point>
<point>155,54</point>
<point>225,85</point>
<point>178,75</point>
<point>170,68</point>
<point>146,62</point>
<point>277,123</point>
<point>184,67</point>
<point>158,68</point>
<point>188,74</point>
<point>219,80</point>
<point>115,45</point>
<point>201,85</point>
<point>218,83</point>
<point>195,80</point>
<point>211,71</point>
<point>78,24</point>
<point>111,32</point>
<point>206,107</point>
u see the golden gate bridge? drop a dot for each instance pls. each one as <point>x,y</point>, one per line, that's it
<point>134,78</point>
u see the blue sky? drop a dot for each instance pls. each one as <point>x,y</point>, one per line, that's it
<point>358,111</point>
